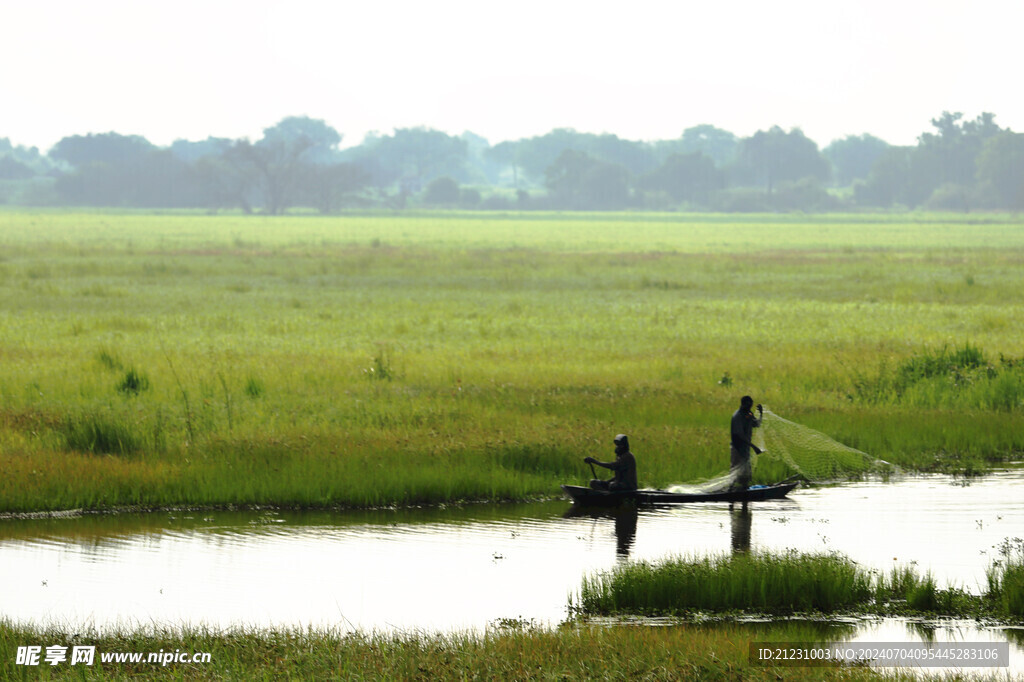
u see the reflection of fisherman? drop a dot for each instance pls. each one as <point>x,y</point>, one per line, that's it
<point>739,527</point>
<point>625,529</point>
<point>624,467</point>
<point>742,430</point>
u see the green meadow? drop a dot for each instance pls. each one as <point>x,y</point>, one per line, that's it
<point>363,360</point>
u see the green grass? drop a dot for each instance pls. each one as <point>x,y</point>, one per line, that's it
<point>766,583</point>
<point>385,359</point>
<point>1006,580</point>
<point>716,652</point>
<point>787,583</point>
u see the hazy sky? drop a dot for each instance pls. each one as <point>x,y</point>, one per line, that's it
<point>639,69</point>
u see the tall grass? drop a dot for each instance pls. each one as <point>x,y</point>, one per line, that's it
<point>223,359</point>
<point>769,583</point>
<point>1006,579</point>
<point>786,583</point>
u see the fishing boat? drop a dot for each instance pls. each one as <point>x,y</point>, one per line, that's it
<point>605,498</point>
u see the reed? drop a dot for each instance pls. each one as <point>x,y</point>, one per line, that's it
<point>768,583</point>
<point>1006,580</point>
<point>789,583</point>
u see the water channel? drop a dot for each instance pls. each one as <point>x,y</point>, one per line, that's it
<point>466,567</point>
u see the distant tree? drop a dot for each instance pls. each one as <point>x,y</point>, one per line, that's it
<point>470,197</point>
<point>412,157</point>
<point>533,156</point>
<point>328,187</point>
<point>442,191</point>
<point>889,181</point>
<point>576,180</point>
<point>154,179</point>
<point>225,184</point>
<point>190,152</point>
<point>12,169</point>
<point>772,156</point>
<point>685,177</point>
<point>947,156</point>
<point>1001,169</point>
<point>274,167</point>
<point>111,148</point>
<point>717,144</point>
<point>853,156</point>
<point>318,140</point>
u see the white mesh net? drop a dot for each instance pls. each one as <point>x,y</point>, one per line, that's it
<point>807,453</point>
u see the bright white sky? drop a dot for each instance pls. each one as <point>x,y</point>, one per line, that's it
<point>642,69</point>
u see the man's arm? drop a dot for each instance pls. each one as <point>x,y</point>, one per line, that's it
<point>614,466</point>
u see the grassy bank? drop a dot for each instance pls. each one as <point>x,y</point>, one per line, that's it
<point>783,584</point>
<point>718,652</point>
<point>368,360</point>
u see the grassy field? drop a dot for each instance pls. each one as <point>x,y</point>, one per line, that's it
<point>388,359</point>
<point>714,652</point>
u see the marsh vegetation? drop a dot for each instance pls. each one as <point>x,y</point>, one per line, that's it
<point>391,359</point>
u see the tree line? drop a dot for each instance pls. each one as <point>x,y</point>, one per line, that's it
<point>298,163</point>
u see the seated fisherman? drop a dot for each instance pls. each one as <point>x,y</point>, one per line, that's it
<point>624,467</point>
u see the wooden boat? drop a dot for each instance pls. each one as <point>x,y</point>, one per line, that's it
<point>589,496</point>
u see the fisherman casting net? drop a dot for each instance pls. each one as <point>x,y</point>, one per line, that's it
<point>809,454</point>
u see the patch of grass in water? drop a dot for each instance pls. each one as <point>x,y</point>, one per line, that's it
<point>769,583</point>
<point>781,584</point>
<point>1006,579</point>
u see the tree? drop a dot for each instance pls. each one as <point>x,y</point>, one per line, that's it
<point>111,148</point>
<point>328,187</point>
<point>12,169</point>
<point>1001,169</point>
<point>888,182</point>
<point>413,157</point>
<point>717,144</point>
<point>947,156</point>
<point>853,156</point>
<point>685,177</point>
<point>769,157</point>
<point>318,140</point>
<point>153,179</point>
<point>191,152</point>
<point>576,180</point>
<point>441,191</point>
<point>276,164</point>
<point>536,154</point>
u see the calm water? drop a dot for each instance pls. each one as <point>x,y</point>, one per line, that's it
<point>466,567</point>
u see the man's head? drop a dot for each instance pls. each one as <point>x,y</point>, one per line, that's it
<point>747,403</point>
<point>621,444</point>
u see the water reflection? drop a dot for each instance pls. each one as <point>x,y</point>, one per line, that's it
<point>398,569</point>
<point>624,519</point>
<point>740,522</point>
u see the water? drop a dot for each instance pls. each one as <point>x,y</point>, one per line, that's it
<point>464,568</point>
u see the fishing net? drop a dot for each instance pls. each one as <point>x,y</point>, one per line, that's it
<point>807,453</point>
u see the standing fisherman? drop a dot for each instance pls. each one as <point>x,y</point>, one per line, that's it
<point>742,430</point>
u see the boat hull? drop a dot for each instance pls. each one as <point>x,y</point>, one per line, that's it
<point>604,498</point>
